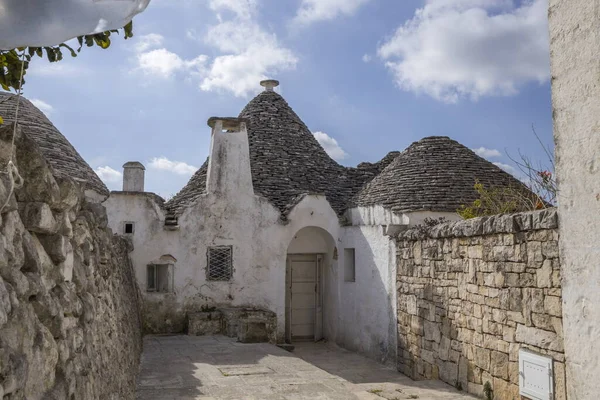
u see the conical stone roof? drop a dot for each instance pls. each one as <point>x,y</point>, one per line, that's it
<point>59,153</point>
<point>286,161</point>
<point>435,174</point>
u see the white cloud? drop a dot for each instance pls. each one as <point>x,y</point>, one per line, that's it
<point>247,54</point>
<point>109,175</point>
<point>487,153</point>
<point>177,167</point>
<point>242,8</point>
<point>331,146</point>
<point>322,10</point>
<point>454,49</point>
<point>43,106</point>
<point>254,55</point>
<point>367,58</point>
<point>163,63</point>
<point>508,168</point>
<point>147,42</point>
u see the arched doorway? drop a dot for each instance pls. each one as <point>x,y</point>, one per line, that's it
<point>309,257</point>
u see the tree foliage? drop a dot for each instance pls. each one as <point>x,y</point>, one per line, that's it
<point>500,200</point>
<point>14,60</point>
<point>539,180</point>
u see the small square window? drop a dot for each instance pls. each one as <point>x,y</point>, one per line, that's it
<point>219,263</point>
<point>349,265</point>
<point>128,228</point>
<point>159,278</point>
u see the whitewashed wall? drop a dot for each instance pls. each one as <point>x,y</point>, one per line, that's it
<point>574,49</point>
<point>367,313</point>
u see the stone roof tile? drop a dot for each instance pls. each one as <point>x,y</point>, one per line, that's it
<point>58,152</point>
<point>286,161</point>
<point>436,174</point>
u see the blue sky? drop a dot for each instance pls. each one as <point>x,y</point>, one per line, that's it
<point>366,76</point>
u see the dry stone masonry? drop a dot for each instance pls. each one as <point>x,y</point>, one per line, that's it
<point>472,293</point>
<point>69,305</point>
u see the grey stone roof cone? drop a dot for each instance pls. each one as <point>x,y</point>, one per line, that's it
<point>59,153</point>
<point>285,158</point>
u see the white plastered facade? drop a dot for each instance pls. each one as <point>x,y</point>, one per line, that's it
<point>359,315</point>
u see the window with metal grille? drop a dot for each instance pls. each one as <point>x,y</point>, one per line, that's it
<point>219,266</point>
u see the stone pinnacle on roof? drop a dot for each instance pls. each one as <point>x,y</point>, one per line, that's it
<point>269,84</point>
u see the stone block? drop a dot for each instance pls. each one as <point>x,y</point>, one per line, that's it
<point>560,386</point>
<point>428,356</point>
<point>499,365</point>
<point>505,224</point>
<point>553,305</point>
<point>444,349</point>
<point>539,338</point>
<point>544,275</point>
<point>545,219</point>
<point>504,390</point>
<point>536,300</point>
<point>508,334</point>
<point>249,325</point>
<point>499,316</point>
<point>70,194</point>
<point>482,358</point>
<point>416,325</point>
<point>37,217</point>
<point>475,251</point>
<point>432,331</point>
<point>515,300</point>
<point>56,246</point>
<point>550,249</point>
<point>527,279</point>
<point>475,389</point>
<point>204,323</point>
<point>534,252</point>
<point>543,321</point>
<point>523,221</point>
<point>448,372</point>
<point>253,332</point>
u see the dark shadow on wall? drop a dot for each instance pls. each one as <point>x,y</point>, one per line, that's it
<point>365,317</point>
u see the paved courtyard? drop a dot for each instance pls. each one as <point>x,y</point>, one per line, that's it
<point>217,367</point>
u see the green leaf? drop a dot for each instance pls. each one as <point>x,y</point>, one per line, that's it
<point>73,54</point>
<point>128,29</point>
<point>1,121</point>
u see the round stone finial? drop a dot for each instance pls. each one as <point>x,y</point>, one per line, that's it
<point>269,84</point>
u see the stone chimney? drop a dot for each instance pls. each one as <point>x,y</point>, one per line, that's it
<point>229,162</point>
<point>133,176</point>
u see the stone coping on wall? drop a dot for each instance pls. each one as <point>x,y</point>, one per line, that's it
<point>152,196</point>
<point>504,223</point>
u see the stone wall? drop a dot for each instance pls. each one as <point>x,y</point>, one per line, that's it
<point>472,293</point>
<point>69,304</point>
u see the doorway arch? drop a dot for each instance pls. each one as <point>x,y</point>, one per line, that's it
<point>309,260</point>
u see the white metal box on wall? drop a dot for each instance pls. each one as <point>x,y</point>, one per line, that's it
<point>536,376</point>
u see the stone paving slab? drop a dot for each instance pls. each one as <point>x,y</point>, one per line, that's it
<point>219,368</point>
